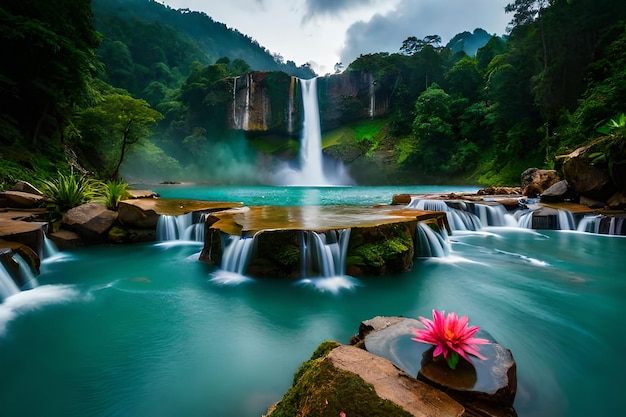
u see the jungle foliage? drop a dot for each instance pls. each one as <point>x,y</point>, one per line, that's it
<point>89,82</point>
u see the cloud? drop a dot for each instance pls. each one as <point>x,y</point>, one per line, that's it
<point>386,32</point>
<point>330,7</point>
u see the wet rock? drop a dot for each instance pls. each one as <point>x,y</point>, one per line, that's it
<point>92,221</point>
<point>535,181</point>
<point>488,385</point>
<point>590,202</point>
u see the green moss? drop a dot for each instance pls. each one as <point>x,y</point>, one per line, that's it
<point>377,246</point>
<point>320,389</point>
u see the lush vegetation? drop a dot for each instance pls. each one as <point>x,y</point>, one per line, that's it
<point>520,101</point>
<point>90,83</point>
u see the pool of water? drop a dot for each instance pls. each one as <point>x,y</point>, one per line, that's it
<point>147,330</point>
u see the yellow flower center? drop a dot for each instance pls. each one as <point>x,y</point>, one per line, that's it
<point>449,334</point>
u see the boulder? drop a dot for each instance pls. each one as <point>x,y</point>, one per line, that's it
<point>21,199</point>
<point>65,239</point>
<point>28,233</point>
<point>617,201</point>
<point>587,178</point>
<point>140,216</point>
<point>92,221</point>
<point>535,181</point>
<point>346,380</point>
<point>26,187</point>
<point>590,202</point>
<point>487,385</point>
<point>558,192</point>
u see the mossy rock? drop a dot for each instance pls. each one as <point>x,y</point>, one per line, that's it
<point>277,255</point>
<point>321,390</point>
<point>379,250</point>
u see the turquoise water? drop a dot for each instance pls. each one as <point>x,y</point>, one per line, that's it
<point>147,330</point>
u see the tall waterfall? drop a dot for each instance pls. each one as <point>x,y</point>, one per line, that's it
<point>312,169</point>
<point>311,163</point>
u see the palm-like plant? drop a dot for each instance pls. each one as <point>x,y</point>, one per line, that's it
<point>113,192</point>
<point>68,191</point>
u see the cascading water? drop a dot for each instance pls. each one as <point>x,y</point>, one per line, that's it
<point>458,219</point>
<point>26,273</point>
<point>429,243</point>
<point>325,253</point>
<point>237,253</point>
<point>599,224</point>
<point>311,165</point>
<point>566,220</point>
<point>179,227</point>
<point>7,285</point>
<point>312,170</point>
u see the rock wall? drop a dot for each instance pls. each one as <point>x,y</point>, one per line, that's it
<point>272,102</point>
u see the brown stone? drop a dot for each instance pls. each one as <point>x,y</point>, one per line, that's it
<point>92,221</point>
<point>66,239</point>
<point>26,187</point>
<point>535,181</point>
<point>22,199</point>
<point>392,384</point>
<point>617,201</point>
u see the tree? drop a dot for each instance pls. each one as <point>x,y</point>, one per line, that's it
<point>122,121</point>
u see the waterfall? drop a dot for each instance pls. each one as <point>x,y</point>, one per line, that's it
<point>311,163</point>
<point>7,285</point>
<point>566,220</point>
<point>372,96</point>
<point>235,123</point>
<point>599,224</point>
<point>246,110</point>
<point>525,219</point>
<point>457,219</point>
<point>430,243</point>
<point>50,250</point>
<point>494,215</point>
<point>290,108</point>
<point>237,253</point>
<point>26,273</point>
<point>325,253</point>
<point>174,227</point>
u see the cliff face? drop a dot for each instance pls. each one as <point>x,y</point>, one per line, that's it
<point>272,101</point>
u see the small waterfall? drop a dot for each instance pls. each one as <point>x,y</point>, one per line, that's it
<point>26,273</point>
<point>494,215</point>
<point>7,285</point>
<point>325,253</point>
<point>237,253</point>
<point>173,227</point>
<point>566,220</point>
<point>600,224</point>
<point>50,250</point>
<point>430,243</point>
<point>525,219</point>
<point>458,219</point>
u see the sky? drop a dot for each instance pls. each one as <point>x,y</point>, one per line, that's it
<point>326,32</point>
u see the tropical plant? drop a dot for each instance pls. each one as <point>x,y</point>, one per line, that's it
<point>69,190</point>
<point>113,192</point>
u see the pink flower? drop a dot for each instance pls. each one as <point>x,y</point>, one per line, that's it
<point>451,336</point>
